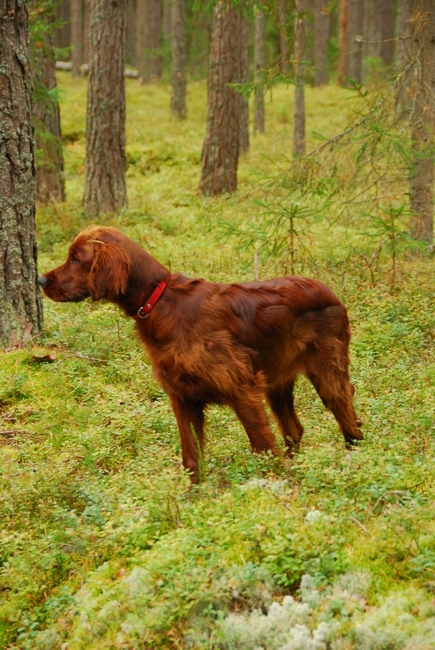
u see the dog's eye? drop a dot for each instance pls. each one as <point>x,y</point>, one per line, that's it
<point>75,261</point>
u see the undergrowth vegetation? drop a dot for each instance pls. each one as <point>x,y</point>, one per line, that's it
<point>102,545</point>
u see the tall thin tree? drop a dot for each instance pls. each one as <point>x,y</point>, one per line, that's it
<point>321,29</point>
<point>259,63</point>
<point>149,40</point>
<point>342,41</point>
<point>63,35</point>
<point>404,49</point>
<point>220,154</point>
<point>354,39</point>
<point>299,72</point>
<point>76,36</point>
<point>130,39</point>
<point>371,46</point>
<point>387,12</point>
<point>422,178</point>
<point>50,183</point>
<point>244,105</point>
<point>105,188</point>
<point>20,300</point>
<point>282,21</point>
<point>178,63</point>
<point>167,18</point>
<point>86,12</point>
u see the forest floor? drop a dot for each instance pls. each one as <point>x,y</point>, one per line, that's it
<point>101,543</point>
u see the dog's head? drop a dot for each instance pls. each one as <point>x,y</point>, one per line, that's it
<point>98,265</point>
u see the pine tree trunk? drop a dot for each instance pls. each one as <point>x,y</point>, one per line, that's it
<point>355,15</point>
<point>259,63</point>
<point>105,188</point>
<point>167,18</point>
<point>404,49</point>
<point>155,37</point>
<point>403,31</point>
<point>321,27</point>
<point>333,21</point>
<point>86,8</point>
<point>130,44</point>
<point>422,179</point>
<point>76,36</point>
<point>20,298</point>
<point>63,35</point>
<point>149,39</point>
<point>371,46</point>
<point>244,105</point>
<point>141,40</point>
<point>283,54</point>
<point>178,64</point>
<point>50,182</point>
<point>308,28</point>
<point>220,152</point>
<point>299,56</point>
<point>387,32</point>
<point>342,41</point>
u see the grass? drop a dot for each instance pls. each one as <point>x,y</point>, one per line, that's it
<point>101,543</point>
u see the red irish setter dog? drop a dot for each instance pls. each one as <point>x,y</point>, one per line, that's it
<point>220,343</point>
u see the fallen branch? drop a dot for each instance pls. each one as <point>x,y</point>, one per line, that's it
<point>362,527</point>
<point>66,66</point>
<point>396,493</point>
<point>10,433</point>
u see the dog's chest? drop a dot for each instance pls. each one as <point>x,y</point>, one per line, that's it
<point>213,365</point>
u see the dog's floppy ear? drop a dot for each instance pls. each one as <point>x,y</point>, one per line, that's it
<point>110,270</point>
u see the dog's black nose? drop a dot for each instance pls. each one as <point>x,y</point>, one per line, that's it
<point>42,280</point>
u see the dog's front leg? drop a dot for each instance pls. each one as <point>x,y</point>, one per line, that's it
<point>190,413</point>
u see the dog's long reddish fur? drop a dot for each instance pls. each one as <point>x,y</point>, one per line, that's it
<point>221,343</point>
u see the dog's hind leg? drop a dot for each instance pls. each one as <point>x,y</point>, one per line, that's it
<point>282,404</point>
<point>249,408</point>
<point>190,414</point>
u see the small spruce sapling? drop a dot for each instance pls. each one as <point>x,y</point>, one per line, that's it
<point>389,229</point>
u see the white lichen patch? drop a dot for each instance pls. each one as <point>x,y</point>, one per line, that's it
<point>286,626</point>
<point>275,486</point>
<point>405,619</point>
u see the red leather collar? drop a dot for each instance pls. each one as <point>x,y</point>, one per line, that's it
<point>146,308</point>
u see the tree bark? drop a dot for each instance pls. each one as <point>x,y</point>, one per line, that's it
<point>371,47</point>
<point>342,41</point>
<point>141,40</point>
<point>422,177</point>
<point>355,16</point>
<point>178,64</point>
<point>244,105</point>
<point>404,49</point>
<point>63,35</point>
<point>20,298</point>
<point>105,188</point>
<point>76,36</point>
<point>167,18</point>
<point>131,32</point>
<point>299,67</point>
<point>321,29</point>
<point>86,9</point>
<point>259,63</point>
<point>50,182</point>
<point>283,54</point>
<point>387,32</point>
<point>220,152</point>
<point>403,31</point>
<point>149,39</point>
